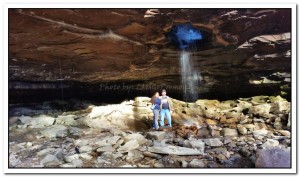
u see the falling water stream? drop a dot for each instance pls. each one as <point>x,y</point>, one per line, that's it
<point>189,77</point>
<point>185,37</point>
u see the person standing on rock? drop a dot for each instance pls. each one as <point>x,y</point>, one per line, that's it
<point>165,108</point>
<point>155,101</point>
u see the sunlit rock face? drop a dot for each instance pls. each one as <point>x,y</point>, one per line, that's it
<point>247,51</point>
<point>248,132</point>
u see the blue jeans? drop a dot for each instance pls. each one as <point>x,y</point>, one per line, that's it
<point>164,112</point>
<point>155,118</point>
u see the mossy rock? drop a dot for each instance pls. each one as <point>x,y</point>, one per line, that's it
<point>276,99</point>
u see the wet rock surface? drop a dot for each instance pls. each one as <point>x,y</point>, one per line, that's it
<point>69,139</point>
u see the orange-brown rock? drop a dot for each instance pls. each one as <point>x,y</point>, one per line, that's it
<point>114,45</point>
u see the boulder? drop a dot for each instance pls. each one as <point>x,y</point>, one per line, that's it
<point>211,122</point>
<point>245,152</point>
<point>261,132</point>
<point>106,149</point>
<point>210,108</point>
<point>237,161</point>
<point>257,100</point>
<point>153,155</point>
<point>77,163</point>
<point>110,116</point>
<point>242,105</point>
<point>130,145</point>
<point>203,132</point>
<point>134,156</point>
<point>270,143</point>
<point>81,142</point>
<point>242,129</point>
<point>14,160</point>
<point>227,132</point>
<point>233,120</point>
<point>250,127</point>
<point>159,165</point>
<point>157,135</point>
<point>140,138</point>
<point>196,163</point>
<point>97,122</point>
<point>50,161</point>
<point>225,105</point>
<point>85,156</point>
<point>186,143</point>
<point>284,133</point>
<point>276,99</point>
<point>101,111</point>
<point>107,141</point>
<point>261,109</point>
<point>220,150</point>
<point>118,143</point>
<point>212,164</point>
<point>170,161</point>
<point>58,153</point>
<point>71,158</point>
<point>233,115</point>
<point>213,142</point>
<point>67,120</point>
<point>221,157</point>
<point>111,155</point>
<point>174,150</point>
<point>29,144</point>
<point>46,151</point>
<point>284,106</point>
<point>25,120</point>
<point>118,132</point>
<point>273,158</point>
<point>259,126</point>
<point>244,120</point>
<point>102,162</point>
<point>42,121</point>
<point>75,131</point>
<point>67,165</point>
<point>55,131</point>
<point>258,120</point>
<point>85,148</point>
<point>207,103</point>
<point>184,164</point>
<point>278,125</point>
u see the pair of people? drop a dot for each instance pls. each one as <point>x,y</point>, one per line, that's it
<point>163,107</point>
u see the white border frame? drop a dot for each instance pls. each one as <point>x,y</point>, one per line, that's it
<point>153,170</point>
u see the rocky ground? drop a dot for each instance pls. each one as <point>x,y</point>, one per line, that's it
<point>248,132</point>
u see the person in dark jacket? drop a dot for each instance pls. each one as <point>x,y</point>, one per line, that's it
<point>155,101</point>
<point>166,107</point>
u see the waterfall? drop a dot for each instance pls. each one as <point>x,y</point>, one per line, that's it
<point>189,77</point>
<point>187,38</point>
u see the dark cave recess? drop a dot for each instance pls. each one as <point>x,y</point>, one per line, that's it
<point>116,92</point>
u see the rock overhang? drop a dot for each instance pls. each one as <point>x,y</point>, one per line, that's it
<point>130,45</point>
